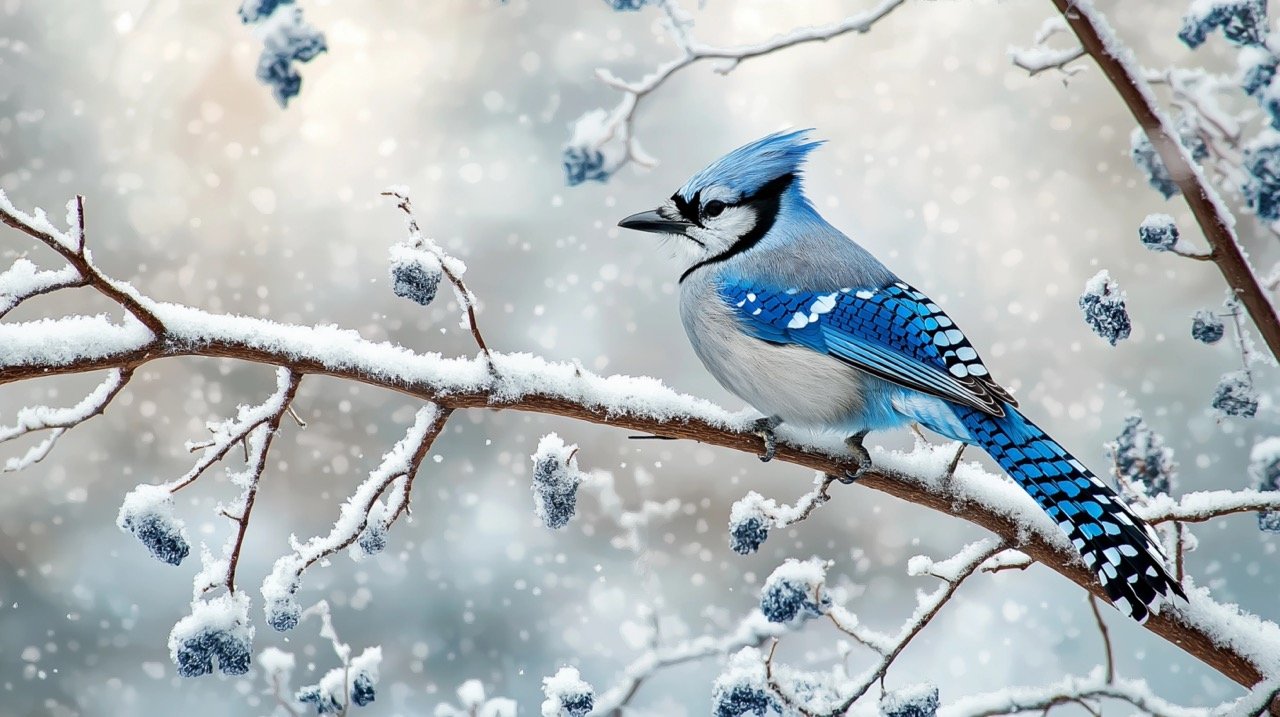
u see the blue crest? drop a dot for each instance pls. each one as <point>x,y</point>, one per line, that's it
<point>751,166</point>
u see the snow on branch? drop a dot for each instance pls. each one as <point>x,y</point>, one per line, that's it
<point>25,280</point>
<point>604,141</point>
<point>1216,221</point>
<point>60,420</point>
<point>1040,57</point>
<point>1238,645</point>
<point>364,519</point>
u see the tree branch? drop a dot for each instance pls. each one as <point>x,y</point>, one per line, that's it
<point>1215,220</point>
<point>1236,644</point>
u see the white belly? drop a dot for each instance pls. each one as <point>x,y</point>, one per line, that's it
<point>799,385</point>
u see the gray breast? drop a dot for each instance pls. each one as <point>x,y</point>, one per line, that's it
<point>799,385</point>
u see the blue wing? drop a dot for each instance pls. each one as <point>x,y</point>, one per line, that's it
<point>893,332</point>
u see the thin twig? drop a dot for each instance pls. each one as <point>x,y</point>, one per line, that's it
<point>1106,639</point>
<point>1215,220</point>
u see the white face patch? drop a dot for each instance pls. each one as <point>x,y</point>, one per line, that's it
<point>719,233</point>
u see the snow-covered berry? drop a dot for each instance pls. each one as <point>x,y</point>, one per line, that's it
<point>1207,327</point>
<point>362,692</point>
<point>415,273</point>
<point>1243,22</point>
<point>795,589</point>
<point>622,5</point>
<point>373,539</point>
<point>1261,188</point>
<point>555,481</point>
<point>1148,160</point>
<point>252,11</point>
<point>217,628</point>
<point>746,536</point>
<point>286,38</point>
<point>596,149</point>
<point>742,688</point>
<point>1235,395</point>
<point>279,594</point>
<point>320,700</point>
<point>1264,465</point>
<point>1158,232</point>
<point>567,694</point>
<point>749,523</point>
<point>1140,456</point>
<point>1103,305</point>
<point>1257,69</point>
<point>147,512</point>
<point>920,700</point>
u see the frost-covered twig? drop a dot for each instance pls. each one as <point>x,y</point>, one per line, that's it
<point>953,572</point>
<point>362,518</point>
<point>70,245</point>
<point>1238,645</point>
<point>1040,57</point>
<point>753,631</point>
<point>1098,686</point>
<point>60,420</point>
<point>452,267</point>
<point>23,280</point>
<point>1211,213</point>
<point>615,129</point>
<point>237,431</point>
<point>258,443</point>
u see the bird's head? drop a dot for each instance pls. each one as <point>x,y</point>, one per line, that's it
<point>731,205</point>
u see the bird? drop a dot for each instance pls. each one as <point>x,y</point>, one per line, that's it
<point>810,329</point>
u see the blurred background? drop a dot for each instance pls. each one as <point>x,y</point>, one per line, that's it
<point>998,193</point>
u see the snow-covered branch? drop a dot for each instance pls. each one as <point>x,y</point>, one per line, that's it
<point>603,142</point>
<point>1238,645</point>
<point>60,420</point>
<point>1216,221</point>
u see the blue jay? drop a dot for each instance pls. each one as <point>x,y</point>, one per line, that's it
<point>809,328</point>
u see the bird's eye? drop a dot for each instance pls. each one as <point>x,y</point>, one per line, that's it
<point>713,208</point>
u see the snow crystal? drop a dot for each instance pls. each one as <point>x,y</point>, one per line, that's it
<point>216,628</point>
<point>147,512</point>
<point>1103,305</point>
<point>555,481</point>
<point>795,589</point>
<point>567,694</point>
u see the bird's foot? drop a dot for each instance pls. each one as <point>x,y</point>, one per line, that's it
<point>764,428</point>
<point>860,454</point>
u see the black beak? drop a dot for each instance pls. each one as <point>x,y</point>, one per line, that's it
<point>654,222</point>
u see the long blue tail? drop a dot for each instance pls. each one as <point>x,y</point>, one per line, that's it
<point>1117,545</point>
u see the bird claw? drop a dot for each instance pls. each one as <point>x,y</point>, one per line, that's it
<point>764,428</point>
<point>860,454</point>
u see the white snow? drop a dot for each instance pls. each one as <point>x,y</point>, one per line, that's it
<point>277,663</point>
<point>24,279</point>
<point>567,682</point>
